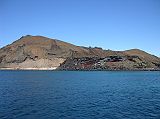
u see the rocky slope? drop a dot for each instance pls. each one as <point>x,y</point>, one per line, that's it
<point>38,52</point>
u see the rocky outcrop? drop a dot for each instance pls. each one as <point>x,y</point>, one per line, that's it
<point>108,63</point>
<point>38,52</point>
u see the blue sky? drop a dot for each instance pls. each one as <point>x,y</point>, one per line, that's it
<point>110,24</point>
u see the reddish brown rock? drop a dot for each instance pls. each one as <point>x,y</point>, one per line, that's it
<point>41,52</point>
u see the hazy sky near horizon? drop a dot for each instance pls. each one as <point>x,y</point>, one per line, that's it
<point>110,24</point>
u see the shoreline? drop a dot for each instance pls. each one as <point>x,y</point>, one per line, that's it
<point>49,69</point>
<point>55,69</point>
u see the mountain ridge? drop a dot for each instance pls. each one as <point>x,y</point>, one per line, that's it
<point>39,52</point>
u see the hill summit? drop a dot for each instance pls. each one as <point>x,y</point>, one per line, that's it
<point>38,52</point>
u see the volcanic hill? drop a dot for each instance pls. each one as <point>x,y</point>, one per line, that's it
<point>38,52</point>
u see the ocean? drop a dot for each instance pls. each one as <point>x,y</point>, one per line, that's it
<point>79,95</point>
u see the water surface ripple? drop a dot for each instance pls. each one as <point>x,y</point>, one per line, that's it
<point>79,95</point>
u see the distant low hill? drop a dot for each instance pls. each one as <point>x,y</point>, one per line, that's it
<point>38,52</point>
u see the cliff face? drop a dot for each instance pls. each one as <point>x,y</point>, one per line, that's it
<point>41,52</point>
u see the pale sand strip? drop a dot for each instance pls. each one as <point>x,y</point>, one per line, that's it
<point>51,68</point>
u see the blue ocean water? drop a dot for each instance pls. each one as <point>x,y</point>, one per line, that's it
<point>79,95</point>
